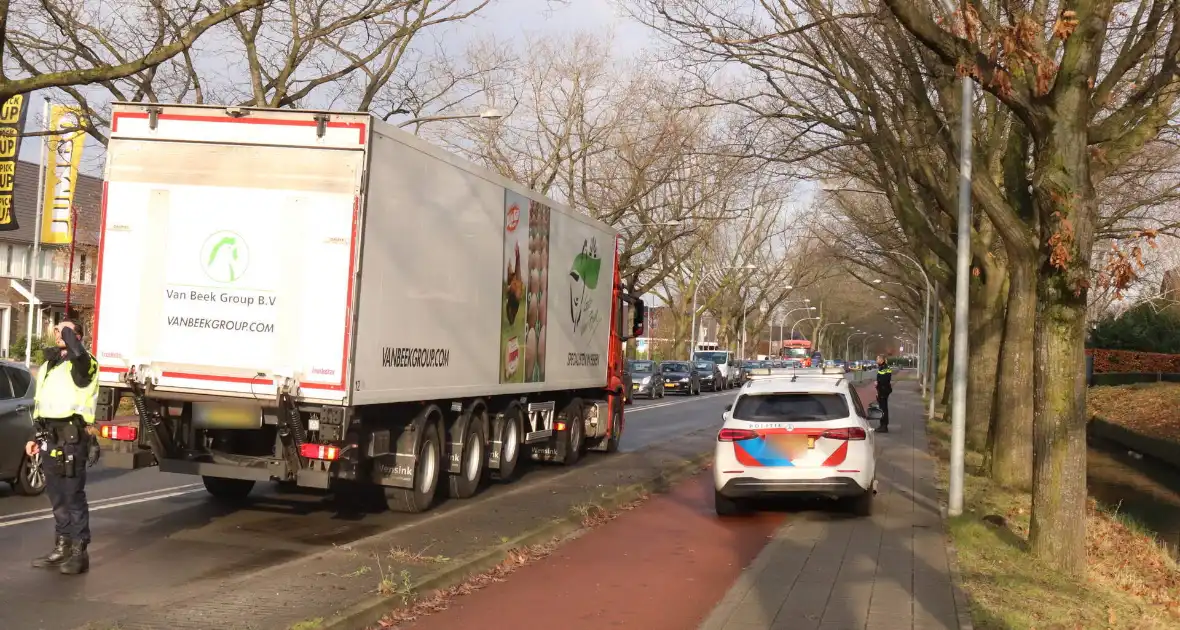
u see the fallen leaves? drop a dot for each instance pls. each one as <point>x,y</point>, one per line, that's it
<point>1148,408</point>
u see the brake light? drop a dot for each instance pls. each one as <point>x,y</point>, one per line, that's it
<point>559,426</point>
<point>119,432</point>
<point>849,433</point>
<point>319,451</point>
<point>735,435</point>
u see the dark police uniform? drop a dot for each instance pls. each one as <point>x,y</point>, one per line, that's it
<point>884,388</point>
<point>67,392</point>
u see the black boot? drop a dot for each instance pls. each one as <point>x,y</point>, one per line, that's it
<point>60,553</point>
<point>79,560</point>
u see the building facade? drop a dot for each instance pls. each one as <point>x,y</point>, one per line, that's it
<point>53,267</point>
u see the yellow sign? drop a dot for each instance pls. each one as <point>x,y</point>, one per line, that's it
<point>65,155</point>
<point>12,119</point>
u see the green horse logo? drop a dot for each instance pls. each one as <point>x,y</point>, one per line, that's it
<point>225,257</point>
<point>584,278</point>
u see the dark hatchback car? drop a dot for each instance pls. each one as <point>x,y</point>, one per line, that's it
<point>16,429</point>
<point>710,376</point>
<point>681,377</point>
<point>645,378</point>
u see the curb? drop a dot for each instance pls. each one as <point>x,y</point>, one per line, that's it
<point>368,612</point>
<point>962,601</point>
<point>1161,450</point>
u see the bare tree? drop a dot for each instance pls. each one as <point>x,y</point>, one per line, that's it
<point>48,44</point>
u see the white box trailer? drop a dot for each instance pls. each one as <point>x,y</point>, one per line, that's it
<point>321,298</point>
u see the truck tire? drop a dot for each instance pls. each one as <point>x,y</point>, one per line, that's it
<point>511,446</point>
<point>427,472</point>
<point>465,483</point>
<point>574,434</point>
<point>616,435</point>
<point>230,490</point>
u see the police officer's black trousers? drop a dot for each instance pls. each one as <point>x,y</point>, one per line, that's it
<point>67,495</point>
<point>883,403</point>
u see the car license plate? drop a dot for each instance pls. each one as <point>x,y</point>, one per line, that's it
<point>634,387</point>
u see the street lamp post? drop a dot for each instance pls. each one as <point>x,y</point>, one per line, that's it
<point>695,293</point>
<point>488,114</point>
<point>864,345</point>
<point>819,335</point>
<point>847,341</point>
<point>924,347</point>
<point>797,323</point>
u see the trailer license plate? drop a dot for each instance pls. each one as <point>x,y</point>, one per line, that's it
<point>810,442</point>
<point>226,416</point>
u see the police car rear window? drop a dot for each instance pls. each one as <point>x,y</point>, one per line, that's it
<point>793,407</point>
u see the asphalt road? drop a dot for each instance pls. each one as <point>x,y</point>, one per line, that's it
<point>153,532</point>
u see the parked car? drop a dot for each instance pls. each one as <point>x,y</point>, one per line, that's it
<point>645,379</point>
<point>681,376</point>
<point>710,375</point>
<point>16,429</point>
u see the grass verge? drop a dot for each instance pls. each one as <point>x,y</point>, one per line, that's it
<point>1138,408</point>
<point>1131,582</point>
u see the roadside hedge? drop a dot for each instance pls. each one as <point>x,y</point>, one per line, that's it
<point>1128,361</point>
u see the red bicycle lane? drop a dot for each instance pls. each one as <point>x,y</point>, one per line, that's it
<point>660,566</point>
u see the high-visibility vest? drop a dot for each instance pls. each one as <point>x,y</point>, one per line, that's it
<point>57,396</point>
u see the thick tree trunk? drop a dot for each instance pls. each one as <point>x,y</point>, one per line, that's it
<point>986,329</point>
<point>1011,439</point>
<point>1068,207</point>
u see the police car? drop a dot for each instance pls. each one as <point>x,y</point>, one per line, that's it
<point>796,431</point>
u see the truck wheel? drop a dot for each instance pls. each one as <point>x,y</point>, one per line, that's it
<point>227,489</point>
<point>511,446</point>
<point>574,434</point>
<point>426,476</point>
<point>616,436</point>
<point>471,464</point>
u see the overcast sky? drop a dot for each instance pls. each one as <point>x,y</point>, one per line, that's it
<point>502,19</point>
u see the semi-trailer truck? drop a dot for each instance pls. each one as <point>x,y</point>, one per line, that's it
<point>321,299</point>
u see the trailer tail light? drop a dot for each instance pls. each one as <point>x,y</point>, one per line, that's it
<point>849,433</point>
<point>319,451</point>
<point>735,435</point>
<point>119,432</point>
<point>560,426</point>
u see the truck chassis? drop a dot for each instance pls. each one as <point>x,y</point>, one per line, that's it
<point>407,449</point>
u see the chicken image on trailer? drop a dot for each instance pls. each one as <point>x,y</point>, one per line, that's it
<point>322,299</point>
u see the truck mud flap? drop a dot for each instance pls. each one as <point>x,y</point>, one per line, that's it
<point>277,470</point>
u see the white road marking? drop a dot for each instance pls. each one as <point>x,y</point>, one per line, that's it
<point>687,399</point>
<point>8,520</point>
<point>43,515</point>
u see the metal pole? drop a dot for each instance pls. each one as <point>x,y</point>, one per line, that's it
<point>962,286</point>
<point>924,346</point>
<point>35,262</point>
<point>934,343</point>
<point>693,333</point>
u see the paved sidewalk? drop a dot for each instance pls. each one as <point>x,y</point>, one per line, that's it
<point>890,572</point>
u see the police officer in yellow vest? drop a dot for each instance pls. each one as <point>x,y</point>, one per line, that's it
<point>67,392</point>
<point>884,388</point>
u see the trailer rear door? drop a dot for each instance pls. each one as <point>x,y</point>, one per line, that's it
<point>228,249</point>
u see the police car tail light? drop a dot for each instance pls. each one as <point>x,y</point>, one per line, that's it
<point>735,435</point>
<point>121,433</point>
<point>319,451</point>
<point>849,433</point>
